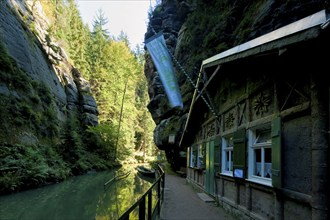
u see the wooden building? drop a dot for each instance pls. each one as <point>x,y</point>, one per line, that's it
<point>257,133</point>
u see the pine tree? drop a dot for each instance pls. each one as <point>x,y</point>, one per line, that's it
<point>98,56</point>
<point>77,38</point>
<point>116,77</point>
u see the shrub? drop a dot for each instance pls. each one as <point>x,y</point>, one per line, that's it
<point>24,167</point>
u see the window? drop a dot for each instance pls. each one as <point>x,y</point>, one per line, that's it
<point>260,155</point>
<point>201,156</point>
<point>190,158</point>
<point>193,156</point>
<point>197,156</point>
<point>227,155</point>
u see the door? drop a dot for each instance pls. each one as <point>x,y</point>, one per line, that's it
<point>209,186</point>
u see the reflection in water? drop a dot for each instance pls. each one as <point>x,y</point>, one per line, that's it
<point>81,197</point>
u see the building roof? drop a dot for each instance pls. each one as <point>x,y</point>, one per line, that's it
<point>304,29</point>
<point>318,19</point>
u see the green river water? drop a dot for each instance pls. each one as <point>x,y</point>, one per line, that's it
<point>78,198</point>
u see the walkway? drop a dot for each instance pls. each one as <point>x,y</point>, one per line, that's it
<point>182,203</point>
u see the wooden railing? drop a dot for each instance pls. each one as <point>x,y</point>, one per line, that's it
<point>141,203</point>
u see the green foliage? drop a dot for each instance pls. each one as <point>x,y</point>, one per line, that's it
<point>6,63</point>
<point>32,27</point>
<point>71,145</point>
<point>102,140</point>
<point>29,106</point>
<point>245,26</point>
<point>29,166</point>
<point>116,77</point>
<point>77,37</point>
<point>10,73</point>
<point>118,84</point>
<point>82,154</point>
<point>98,25</point>
<point>211,31</point>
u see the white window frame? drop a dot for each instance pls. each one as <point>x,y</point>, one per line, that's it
<point>194,157</point>
<point>227,148</point>
<point>191,157</point>
<point>252,146</point>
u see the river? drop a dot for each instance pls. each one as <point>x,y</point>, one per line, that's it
<point>78,198</point>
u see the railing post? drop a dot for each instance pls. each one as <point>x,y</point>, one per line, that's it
<point>141,203</point>
<point>159,195</point>
<point>150,205</point>
<point>163,186</point>
<point>142,209</point>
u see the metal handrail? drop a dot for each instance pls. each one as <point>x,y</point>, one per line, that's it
<point>151,214</point>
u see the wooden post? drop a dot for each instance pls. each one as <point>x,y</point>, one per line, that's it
<point>248,197</point>
<point>278,205</point>
<point>320,147</point>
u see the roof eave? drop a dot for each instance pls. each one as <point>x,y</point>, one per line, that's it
<point>318,19</point>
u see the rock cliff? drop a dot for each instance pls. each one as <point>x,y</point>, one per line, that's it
<point>197,29</point>
<point>45,104</point>
<point>24,36</point>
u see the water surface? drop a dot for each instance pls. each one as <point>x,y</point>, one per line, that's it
<point>80,197</point>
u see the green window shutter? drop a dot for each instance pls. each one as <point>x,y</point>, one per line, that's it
<point>204,155</point>
<point>194,155</point>
<point>239,160</point>
<point>188,157</point>
<point>217,141</point>
<point>217,154</point>
<point>276,152</point>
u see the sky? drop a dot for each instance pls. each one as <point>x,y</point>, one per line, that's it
<point>129,16</point>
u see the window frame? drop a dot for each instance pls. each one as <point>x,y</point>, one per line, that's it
<point>227,148</point>
<point>190,155</point>
<point>201,156</point>
<point>252,146</point>
<point>193,156</point>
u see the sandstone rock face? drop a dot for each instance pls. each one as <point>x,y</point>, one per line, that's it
<point>195,30</point>
<point>44,61</point>
<point>168,19</point>
<point>28,52</point>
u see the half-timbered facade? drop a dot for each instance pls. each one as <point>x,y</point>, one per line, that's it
<point>257,133</point>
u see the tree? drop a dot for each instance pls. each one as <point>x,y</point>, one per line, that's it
<point>123,38</point>
<point>116,77</point>
<point>98,24</point>
<point>77,38</point>
<point>98,55</point>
